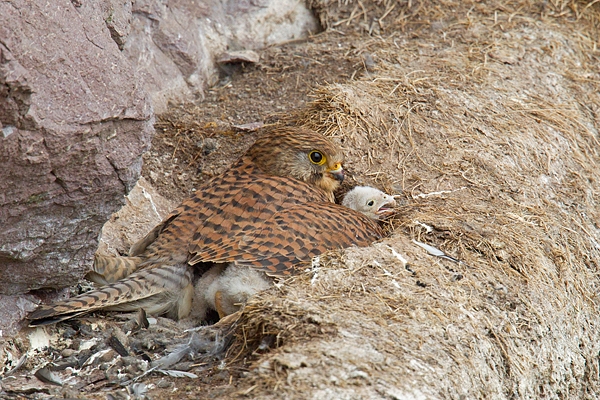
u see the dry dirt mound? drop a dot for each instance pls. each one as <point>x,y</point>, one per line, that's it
<point>483,117</point>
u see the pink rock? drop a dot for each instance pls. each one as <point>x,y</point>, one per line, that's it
<point>75,122</point>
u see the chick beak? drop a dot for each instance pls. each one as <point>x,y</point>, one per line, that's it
<point>337,172</point>
<point>387,209</point>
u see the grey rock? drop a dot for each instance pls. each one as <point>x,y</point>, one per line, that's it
<point>12,311</point>
<point>169,51</point>
<point>117,15</point>
<point>242,56</point>
<point>144,209</point>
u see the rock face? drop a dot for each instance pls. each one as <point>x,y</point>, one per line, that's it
<point>174,44</point>
<point>75,122</point>
<point>144,209</point>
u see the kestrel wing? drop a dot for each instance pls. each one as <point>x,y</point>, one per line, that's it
<point>193,210</point>
<point>297,234</point>
<point>218,238</point>
<point>174,236</point>
<point>275,266</point>
<point>157,289</point>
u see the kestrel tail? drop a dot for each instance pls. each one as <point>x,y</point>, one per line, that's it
<point>236,217</point>
<point>161,290</point>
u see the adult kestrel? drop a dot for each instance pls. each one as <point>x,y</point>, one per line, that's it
<point>272,210</point>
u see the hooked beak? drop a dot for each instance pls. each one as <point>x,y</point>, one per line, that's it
<point>337,172</point>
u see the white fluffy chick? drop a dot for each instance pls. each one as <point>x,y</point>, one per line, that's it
<point>370,201</point>
<point>200,303</point>
<point>225,288</point>
<point>234,287</point>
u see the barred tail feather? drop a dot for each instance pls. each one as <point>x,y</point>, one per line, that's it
<point>163,289</point>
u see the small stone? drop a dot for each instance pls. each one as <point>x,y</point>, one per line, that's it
<point>164,384</point>
<point>7,130</point>
<point>47,376</point>
<point>248,56</point>
<point>96,376</point>
<point>208,145</point>
<point>67,362</point>
<point>108,356</point>
<point>67,352</point>
<point>69,333</point>
<point>249,127</point>
<point>116,344</point>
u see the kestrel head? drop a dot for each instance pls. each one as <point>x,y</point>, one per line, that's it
<point>370,201</point>
<point>299,153</point>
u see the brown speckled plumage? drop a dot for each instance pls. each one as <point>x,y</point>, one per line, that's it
<point>271,210</point>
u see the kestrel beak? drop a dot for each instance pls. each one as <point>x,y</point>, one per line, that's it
<point>337,172</point>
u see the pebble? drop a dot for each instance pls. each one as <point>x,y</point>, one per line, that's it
<point>67,352</point>
<point>108,356</point>
<point>164,384</point>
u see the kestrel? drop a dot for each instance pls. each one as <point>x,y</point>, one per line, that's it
<point>272,211</point>
<point>372,202</point>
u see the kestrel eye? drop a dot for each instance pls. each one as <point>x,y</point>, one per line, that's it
<point>370,203</point>
<point>316,157</point>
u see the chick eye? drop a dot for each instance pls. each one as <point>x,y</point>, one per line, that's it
<point>316,157</point>
<point>370,203</point>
